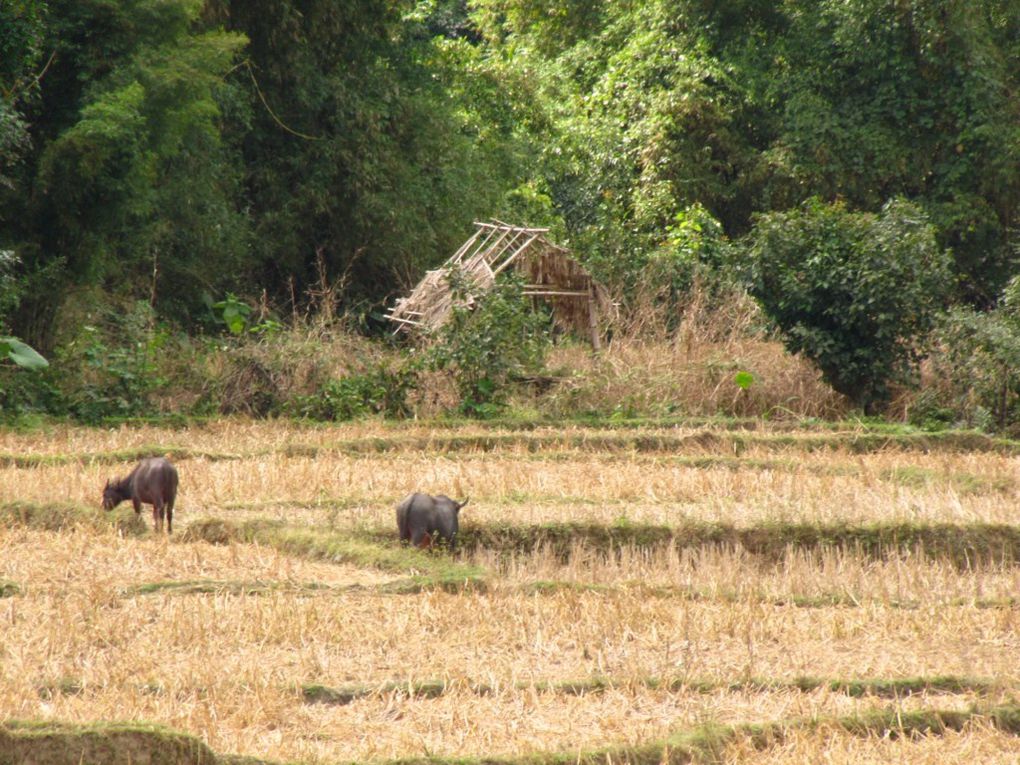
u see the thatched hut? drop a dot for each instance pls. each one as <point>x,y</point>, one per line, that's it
<point>549,273</point>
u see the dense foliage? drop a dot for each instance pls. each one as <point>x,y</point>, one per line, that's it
<point>855,292</point>
<point>201,155</point>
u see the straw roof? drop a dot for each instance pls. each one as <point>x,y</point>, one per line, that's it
<point>549,272</point>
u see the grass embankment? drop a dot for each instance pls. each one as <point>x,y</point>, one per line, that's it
<point>59,744</point>
<point>541,439</point>
<point>426,569</point>
<point>59,516</point>
<point>893,689</point>
<point>316,693</point>
<point>961,545</point>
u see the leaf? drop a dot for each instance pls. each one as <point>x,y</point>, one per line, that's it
<point>22,354</point>
<point>744,380</point>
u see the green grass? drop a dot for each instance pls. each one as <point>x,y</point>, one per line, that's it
<point>221,586</point>
<point>608,441</point>
<point>65,744</point>
<point>65,686</point>
<point>964,545</point>
<point>964,483</point>
<point>425,569</point>
<point>664,443</point>
<point>839,599</point>
<point>414,584</point>
<point>891,689</point>
<point>176,453</point>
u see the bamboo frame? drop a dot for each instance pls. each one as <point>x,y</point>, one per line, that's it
<point>550,274</point>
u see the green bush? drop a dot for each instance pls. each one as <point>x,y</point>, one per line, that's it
<point>854,292</point>
<point>490,346</point>
<point>113,370</point>
<point>380,392</point>
<point>976,367</point>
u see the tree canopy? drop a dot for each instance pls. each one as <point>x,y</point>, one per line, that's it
<point>176,150</point>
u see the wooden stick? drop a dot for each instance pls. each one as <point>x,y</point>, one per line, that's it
<point>568,293</point>
<point>477,247</point>
<point>519,228</point>
<point>485,253</point>
<point>593,322</point>
<point>509,246</point>
<point>459,255</point>
<point>407,321</point>
<point>520,249</point>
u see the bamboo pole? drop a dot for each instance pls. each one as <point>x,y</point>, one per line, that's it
<point>464,247</point>
<point>479,247</point>
<point>507,246</point>
<point>593,322</point>
<point>519,250</point>
<point>565,293</point>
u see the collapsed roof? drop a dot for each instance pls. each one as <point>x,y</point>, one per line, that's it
<point>549,272</point>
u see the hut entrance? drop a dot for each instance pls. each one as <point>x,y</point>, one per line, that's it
<point>549,273</point>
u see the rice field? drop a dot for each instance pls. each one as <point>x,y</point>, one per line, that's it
<point>711,592</point>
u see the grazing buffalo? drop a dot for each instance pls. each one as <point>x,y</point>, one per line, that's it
<point>422,517</point>
<point>154,482</point>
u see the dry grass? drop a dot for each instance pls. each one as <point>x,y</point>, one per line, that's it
<point>648,370</point>
<point>763,484</point>
<point>806,579</point>
<point>80,643</point>
<point>224,666</point>
<point>977,742</point>
<point>659,378</point>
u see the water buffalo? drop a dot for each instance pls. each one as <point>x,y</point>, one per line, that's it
<point>422,517</point>
<point>154,482</point>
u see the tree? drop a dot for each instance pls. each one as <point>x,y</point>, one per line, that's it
<point>21,30</point>
<point>854,292</point>
<point>372,142</point>
<point>126,190</point>
<point>751,106</point>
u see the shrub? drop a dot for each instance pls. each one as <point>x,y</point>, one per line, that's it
<point>113,369</point>
<point>975,368</point>
<point>501,340</point>
<point>380,392</point>
<point>854,292</point>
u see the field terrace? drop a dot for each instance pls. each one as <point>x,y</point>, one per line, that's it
<point>716,591</point>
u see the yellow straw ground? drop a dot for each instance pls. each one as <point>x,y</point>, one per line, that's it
<point>977,742</point>
<point>96,634</point>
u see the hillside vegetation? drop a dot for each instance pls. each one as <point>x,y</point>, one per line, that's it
<point>174,171</point>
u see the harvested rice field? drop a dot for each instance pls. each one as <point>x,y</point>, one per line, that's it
<point>718,592</point>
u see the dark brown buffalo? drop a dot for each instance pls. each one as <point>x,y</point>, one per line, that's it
<point>154,482</point>
<point>421,518</point>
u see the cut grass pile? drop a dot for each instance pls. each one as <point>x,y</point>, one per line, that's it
<point>736,592</point>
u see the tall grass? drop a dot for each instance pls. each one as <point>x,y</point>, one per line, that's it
<point>648,369</point>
